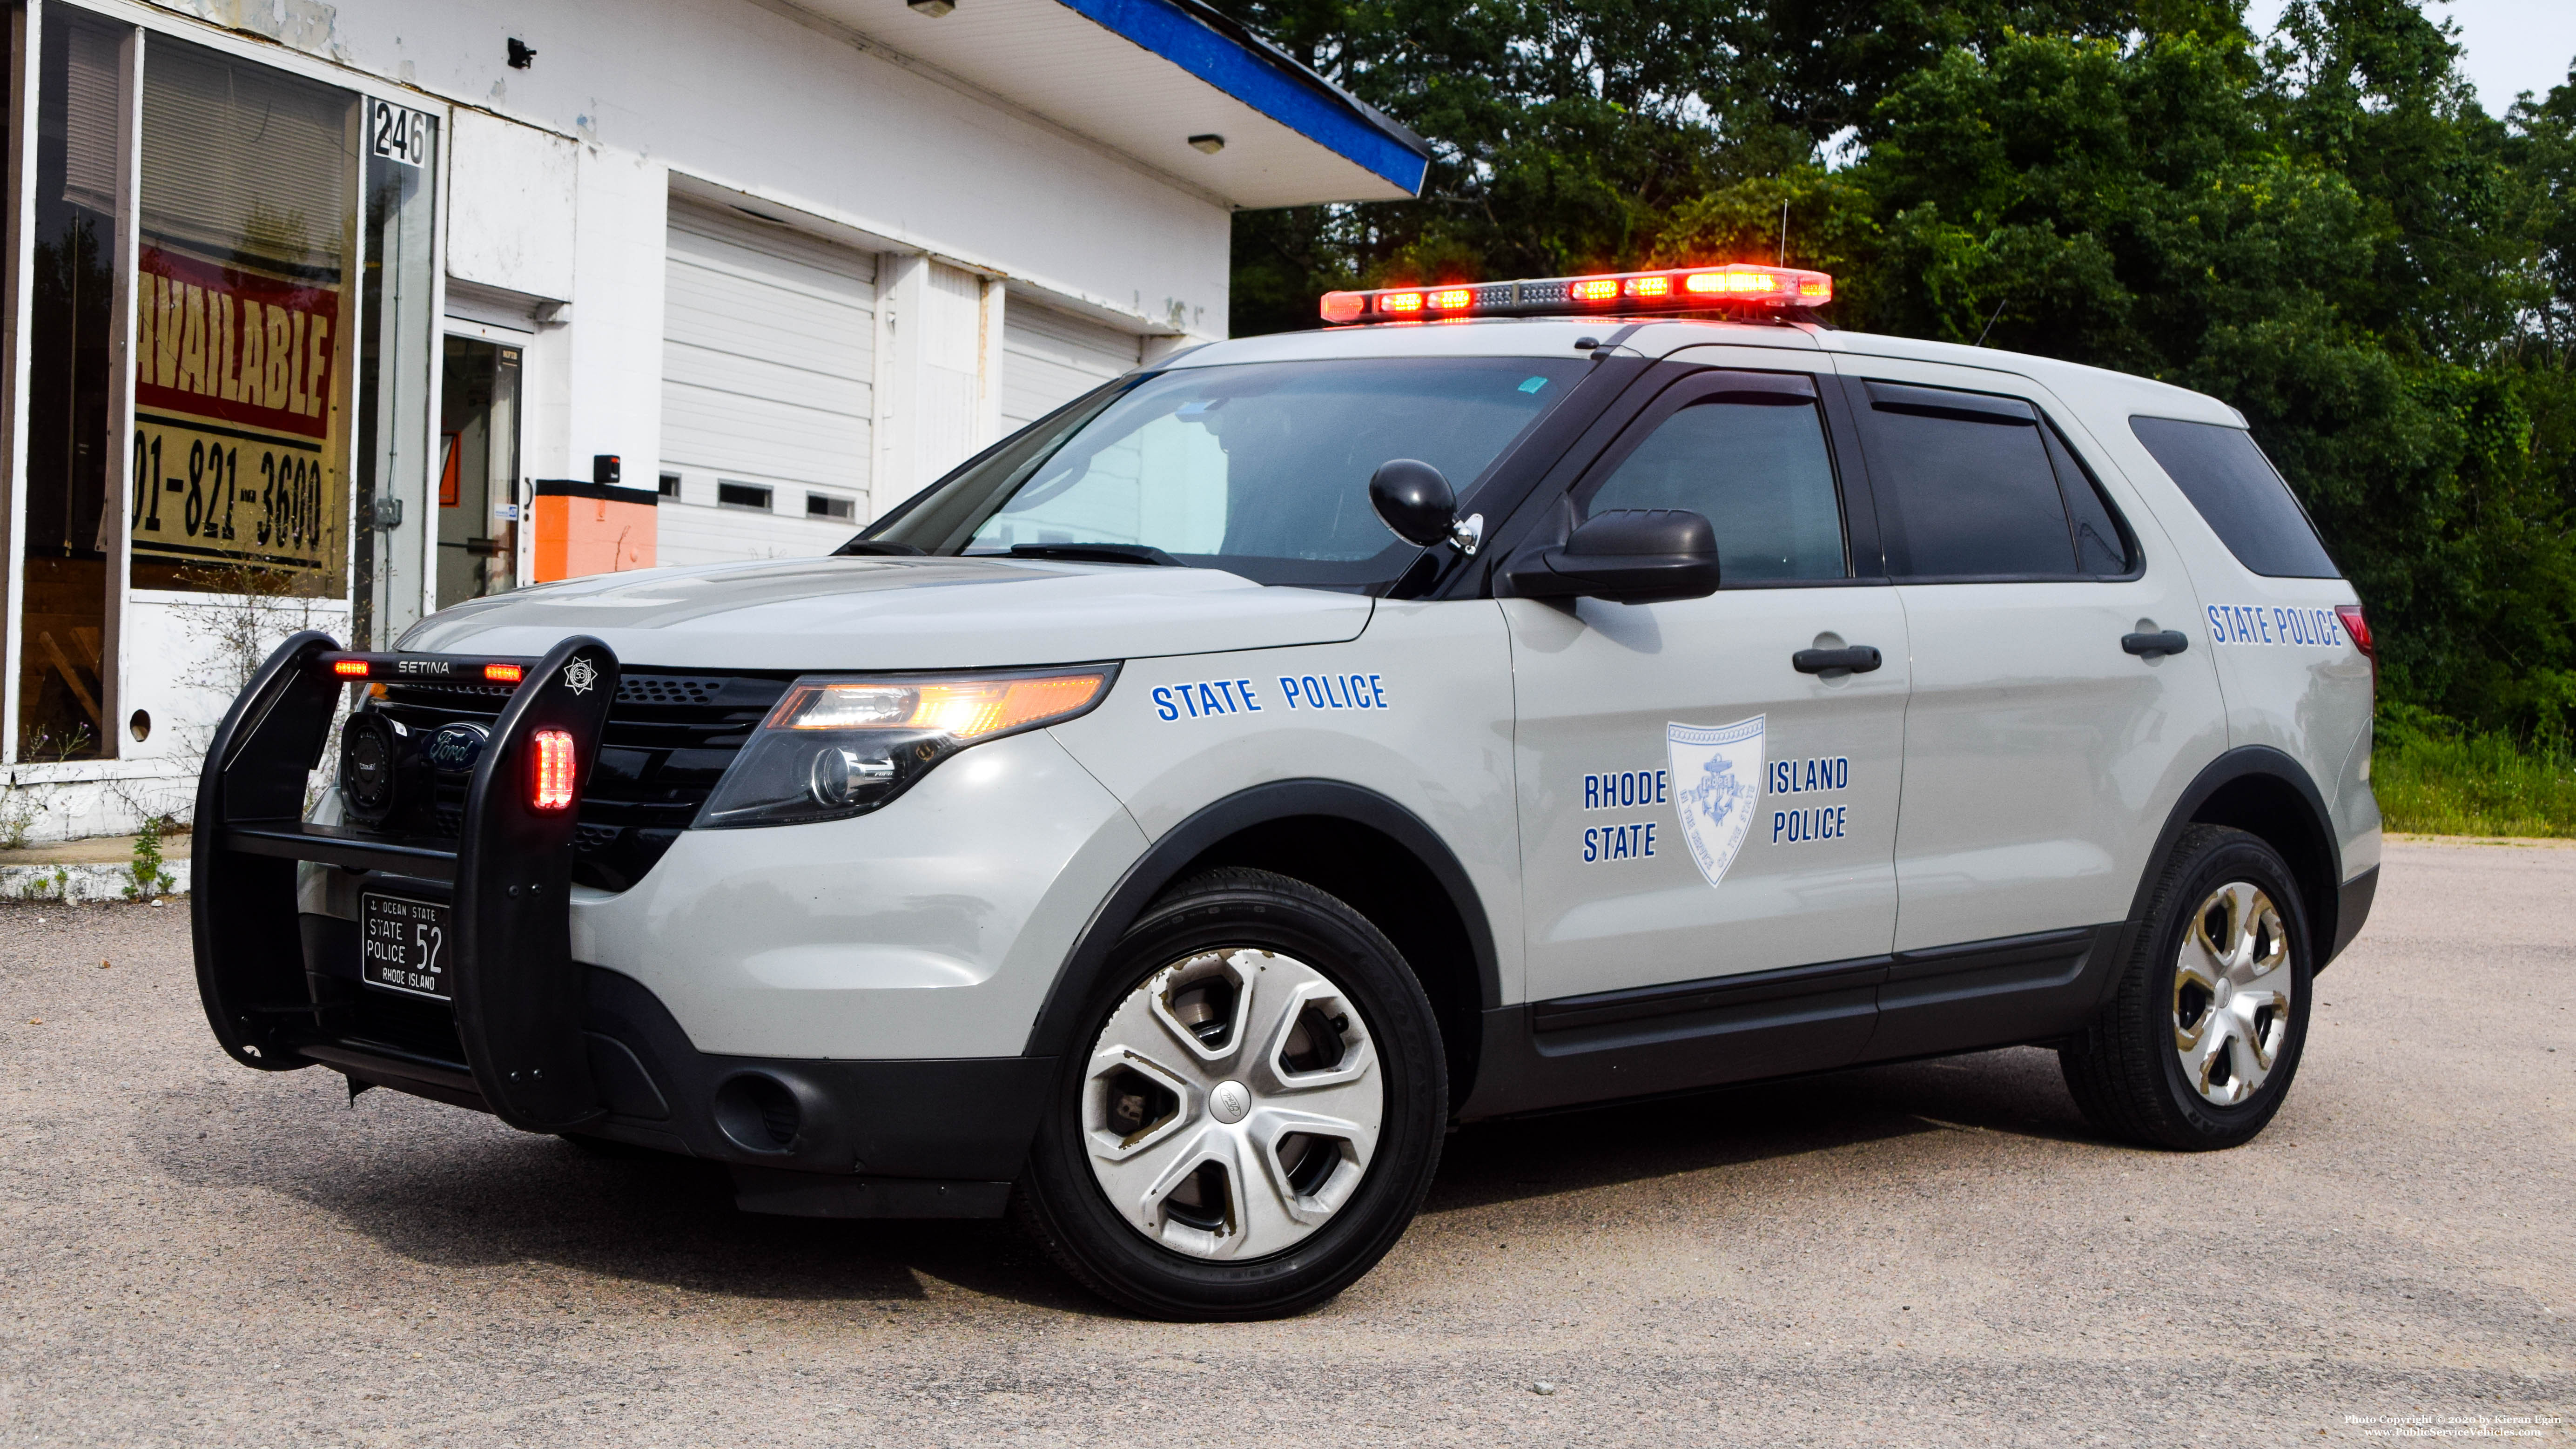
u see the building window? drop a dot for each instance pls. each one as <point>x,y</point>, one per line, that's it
<point>63,671</point>
<point>830,509</point>
<point>241,303</point>
<point>741,495</point>
<point>670,485</point>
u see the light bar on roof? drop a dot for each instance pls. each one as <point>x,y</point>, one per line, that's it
<point>1680,289</point>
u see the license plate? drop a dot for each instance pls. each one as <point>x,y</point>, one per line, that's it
<point>403,945</point>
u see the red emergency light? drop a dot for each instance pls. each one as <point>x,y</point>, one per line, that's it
<point>550,759</point>
<point>1737,285</point>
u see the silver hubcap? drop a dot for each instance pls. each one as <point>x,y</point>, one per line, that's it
<point>1232,1104</point>
<point>2231,994</point>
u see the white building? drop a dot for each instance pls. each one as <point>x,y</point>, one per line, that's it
<point>330,295</point>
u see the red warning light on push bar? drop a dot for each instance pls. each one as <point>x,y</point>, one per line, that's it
<point>1682,289</point>
<point>550,770</point>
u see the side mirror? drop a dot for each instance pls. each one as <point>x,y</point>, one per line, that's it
<point>1414,500</point>
<point>1628,556</point>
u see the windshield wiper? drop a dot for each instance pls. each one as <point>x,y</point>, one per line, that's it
<point>873,547</point>
<point>1126,553</point>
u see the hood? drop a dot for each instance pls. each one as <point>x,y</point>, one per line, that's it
<point>896,613</point>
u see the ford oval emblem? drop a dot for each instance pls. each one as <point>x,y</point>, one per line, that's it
<point>456,747</point>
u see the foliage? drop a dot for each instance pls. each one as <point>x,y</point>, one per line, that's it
<point>2437,780</point>
<point>21,807</point>
<point>151,877</point>
<point>2321,227</point>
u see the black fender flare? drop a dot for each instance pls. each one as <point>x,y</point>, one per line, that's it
<point>2315,826</point>
<point>1162,863</point>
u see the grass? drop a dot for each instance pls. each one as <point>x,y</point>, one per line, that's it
<point>2431,782</point>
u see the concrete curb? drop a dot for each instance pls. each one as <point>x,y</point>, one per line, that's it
<point>80,881</point>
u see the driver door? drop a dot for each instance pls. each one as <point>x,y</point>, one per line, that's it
<point>1697,811</point>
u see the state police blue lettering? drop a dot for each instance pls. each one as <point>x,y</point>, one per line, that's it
<point>1797,777</point>
<point>1813,823</point>
<point>1334,691</point>
<point>1805,827</point>
<point>2272,624</point>
<point>1205,698</point>
<point>1627,789</point>
<point>1618,842</point>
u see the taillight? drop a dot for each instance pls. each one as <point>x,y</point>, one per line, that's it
<point>551,773</point>
<point>2359,628</point>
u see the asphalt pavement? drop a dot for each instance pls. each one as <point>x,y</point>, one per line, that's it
<point>1940,1253</point>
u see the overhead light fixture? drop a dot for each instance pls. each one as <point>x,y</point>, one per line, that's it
<point>932,8</point>
<point>1210,144</point>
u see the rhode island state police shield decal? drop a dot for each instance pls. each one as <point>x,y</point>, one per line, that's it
<point>1717,777</point>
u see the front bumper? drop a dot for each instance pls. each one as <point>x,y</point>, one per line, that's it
<point>535,1035</point>
<point>805,1137</point>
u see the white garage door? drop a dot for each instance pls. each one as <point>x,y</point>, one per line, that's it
<point>1049,359</point>
<point>768,338</point>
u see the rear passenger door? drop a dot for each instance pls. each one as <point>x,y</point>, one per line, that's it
<point>1693,805</point>
<point>2040,754</point>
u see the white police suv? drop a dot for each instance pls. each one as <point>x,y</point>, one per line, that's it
<point>1179,816</point>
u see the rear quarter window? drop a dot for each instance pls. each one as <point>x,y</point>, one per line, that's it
<point>2240,494</point>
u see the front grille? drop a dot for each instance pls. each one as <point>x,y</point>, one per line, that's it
<point>669,737</point>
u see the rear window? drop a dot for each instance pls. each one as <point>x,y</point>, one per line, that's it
<point>2237,490</point>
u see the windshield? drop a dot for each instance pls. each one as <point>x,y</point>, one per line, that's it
<point>1261,469</point>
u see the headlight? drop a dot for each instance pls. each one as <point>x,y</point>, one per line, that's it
<point>844,746</point>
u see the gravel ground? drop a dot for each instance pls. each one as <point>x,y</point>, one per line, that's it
<point>1941,1253</point>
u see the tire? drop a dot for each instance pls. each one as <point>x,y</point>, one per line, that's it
<point>2198,1046</point>
<point>1168,1176</point>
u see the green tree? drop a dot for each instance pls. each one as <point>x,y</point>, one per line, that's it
<point>2321,228</point>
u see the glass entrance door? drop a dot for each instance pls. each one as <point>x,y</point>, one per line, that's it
<point>478,480</point>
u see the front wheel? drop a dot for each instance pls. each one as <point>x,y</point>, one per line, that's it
<point>2198,1046</point>
<point>1253,1116</point>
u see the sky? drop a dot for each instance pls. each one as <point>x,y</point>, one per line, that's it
<point>2511,45</point>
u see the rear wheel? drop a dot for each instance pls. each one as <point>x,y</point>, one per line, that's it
<point>2198,1047</point>
<point>1254,1114</point>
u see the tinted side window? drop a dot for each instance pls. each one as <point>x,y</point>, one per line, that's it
<point>1755,465</point>
<point>2234,486</point>
<point>1964,486</point>
<point>2100,546</point>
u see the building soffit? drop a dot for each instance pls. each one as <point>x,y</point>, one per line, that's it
<point>1142,77</point>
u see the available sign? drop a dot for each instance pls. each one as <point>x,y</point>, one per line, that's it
<point>234,456</point>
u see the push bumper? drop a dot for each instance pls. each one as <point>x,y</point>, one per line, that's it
<point>544,1042</point>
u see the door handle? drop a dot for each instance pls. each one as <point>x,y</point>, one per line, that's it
<point>2148,646</point>
<point>1859,659</point>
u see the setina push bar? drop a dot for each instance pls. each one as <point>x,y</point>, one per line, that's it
<point>506,877</point>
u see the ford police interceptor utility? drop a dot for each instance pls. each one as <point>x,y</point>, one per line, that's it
<point>1172,821</point>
